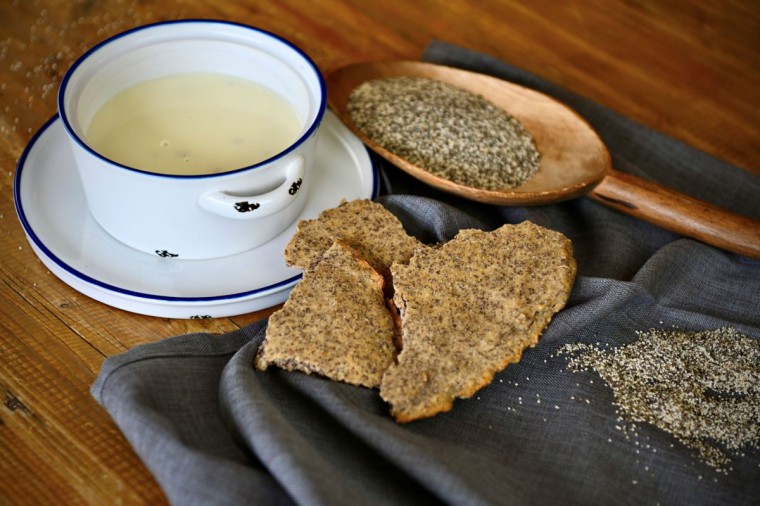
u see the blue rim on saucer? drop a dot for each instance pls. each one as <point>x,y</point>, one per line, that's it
<point>335,128</point>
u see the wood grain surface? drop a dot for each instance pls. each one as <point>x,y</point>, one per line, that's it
<point>688,69</point>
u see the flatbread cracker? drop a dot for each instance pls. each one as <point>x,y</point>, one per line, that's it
<point>470,308</point>
<point>368,227</point>
<point>335,323</point>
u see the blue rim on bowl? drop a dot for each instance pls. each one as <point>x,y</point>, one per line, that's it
<point>309,131</point>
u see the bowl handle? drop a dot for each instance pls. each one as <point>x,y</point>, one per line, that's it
<point>244,207</point>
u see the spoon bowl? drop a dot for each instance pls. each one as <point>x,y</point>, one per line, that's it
<point>574,160</point>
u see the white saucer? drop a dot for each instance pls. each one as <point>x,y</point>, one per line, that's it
<point>51,205</point>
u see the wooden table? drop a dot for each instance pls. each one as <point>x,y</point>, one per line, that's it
<point>691,71</point>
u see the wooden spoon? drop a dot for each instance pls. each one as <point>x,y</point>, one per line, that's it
<point>574,160</point>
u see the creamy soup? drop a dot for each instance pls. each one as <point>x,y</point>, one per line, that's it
<point>193,124</point>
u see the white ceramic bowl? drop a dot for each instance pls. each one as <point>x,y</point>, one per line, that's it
<point>193,216</point>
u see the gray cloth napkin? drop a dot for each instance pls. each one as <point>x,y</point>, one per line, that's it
<point>214,431</point>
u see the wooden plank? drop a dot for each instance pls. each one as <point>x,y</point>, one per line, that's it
<point>53,428</point>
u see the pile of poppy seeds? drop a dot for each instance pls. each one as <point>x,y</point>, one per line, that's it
<point>450,132</point>
<point>701,387</point>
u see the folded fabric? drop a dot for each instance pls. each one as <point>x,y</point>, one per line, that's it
<point>213,430</point>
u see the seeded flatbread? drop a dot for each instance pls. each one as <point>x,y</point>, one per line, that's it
<point>335,323</point>
<point>366,226</point>
<point>470,308</point>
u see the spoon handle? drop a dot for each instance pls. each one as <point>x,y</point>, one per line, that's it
<point>679,213</point>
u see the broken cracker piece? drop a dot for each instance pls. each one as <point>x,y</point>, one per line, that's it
<point>364,225</point>
<point>335,323</point>
<point>470,308</point>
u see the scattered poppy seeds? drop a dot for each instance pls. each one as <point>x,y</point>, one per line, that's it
<point>701,387</point>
